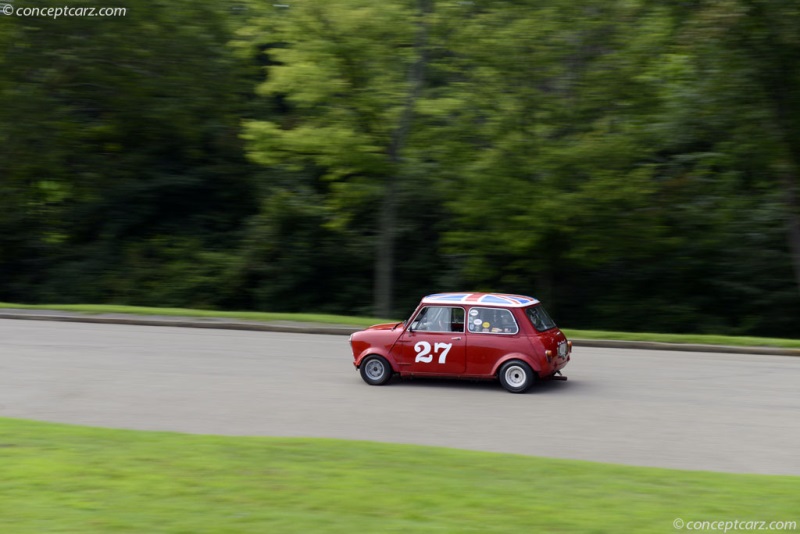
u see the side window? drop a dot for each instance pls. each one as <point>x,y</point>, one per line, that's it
<point>492,321</point>
<point>439,319</point>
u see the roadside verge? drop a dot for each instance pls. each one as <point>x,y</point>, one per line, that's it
<point>334,329</point>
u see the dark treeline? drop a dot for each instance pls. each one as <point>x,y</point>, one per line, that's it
<point>633,164</point>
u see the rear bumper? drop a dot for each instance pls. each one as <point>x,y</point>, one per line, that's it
<point>559,363</point>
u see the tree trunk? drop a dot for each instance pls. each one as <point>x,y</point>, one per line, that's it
<point>383,291</point>
<point>793,224</point>
<point>384,252</point>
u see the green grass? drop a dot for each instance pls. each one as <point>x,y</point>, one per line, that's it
<point>186,312</point>
<point>701,339</point>
<point>59,478</point>
<point>367,321</point>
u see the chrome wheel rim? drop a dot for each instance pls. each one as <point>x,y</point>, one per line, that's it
<point>375,370</point>
<point>516,376</point>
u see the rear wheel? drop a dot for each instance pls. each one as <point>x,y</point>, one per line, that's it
<point>375,370</point>
<point>516,376</point>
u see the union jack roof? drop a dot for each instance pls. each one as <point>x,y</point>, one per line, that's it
<point>514,301</point>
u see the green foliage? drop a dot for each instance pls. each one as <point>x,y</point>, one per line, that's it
<point>120,159</point>
<point>636,165</point>
<point>341,71</point>
<point>294,259</point>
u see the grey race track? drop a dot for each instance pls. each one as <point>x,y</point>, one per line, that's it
<point>721,412</point>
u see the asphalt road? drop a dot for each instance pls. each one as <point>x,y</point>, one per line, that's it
<point>721,412</point>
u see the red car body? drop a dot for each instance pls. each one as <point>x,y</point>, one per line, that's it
<point>466,335</point>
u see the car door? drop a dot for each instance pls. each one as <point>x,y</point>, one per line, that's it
<point>492,334</point>
<point>434,342</point>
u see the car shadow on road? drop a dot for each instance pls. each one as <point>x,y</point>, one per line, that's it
<point>541,388</point>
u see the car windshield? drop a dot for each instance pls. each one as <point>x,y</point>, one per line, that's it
<point>539,318</point>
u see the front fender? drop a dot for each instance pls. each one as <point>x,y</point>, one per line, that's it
<point>534,363</point>
<point>370,351</point>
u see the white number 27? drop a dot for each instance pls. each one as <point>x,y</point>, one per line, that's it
<point>423,349</point>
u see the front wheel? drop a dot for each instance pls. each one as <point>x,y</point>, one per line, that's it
<point>516,376</point>
<point>375,370</point>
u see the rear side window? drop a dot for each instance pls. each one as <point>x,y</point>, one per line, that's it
<point>540,319</point>
<point>492,321</point>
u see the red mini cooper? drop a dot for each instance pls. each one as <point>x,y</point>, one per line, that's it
<point>466,335</point>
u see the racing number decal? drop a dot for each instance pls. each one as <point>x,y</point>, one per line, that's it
<point>423,349</point>
<point>424,355</point>
<point>446,348</point>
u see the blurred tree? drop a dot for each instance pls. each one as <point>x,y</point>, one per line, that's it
<point>547,163</point>
<point>633,163</point>
<point>350,73</point>
<point>747,53</point>
<point>605,168</point>
<point>722,190</point>
<point>122,136</point>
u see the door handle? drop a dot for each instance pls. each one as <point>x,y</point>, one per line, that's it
<point>456,338</point>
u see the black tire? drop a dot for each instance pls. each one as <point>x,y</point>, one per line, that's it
<point>375,370</point>
<point>516,376</point>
